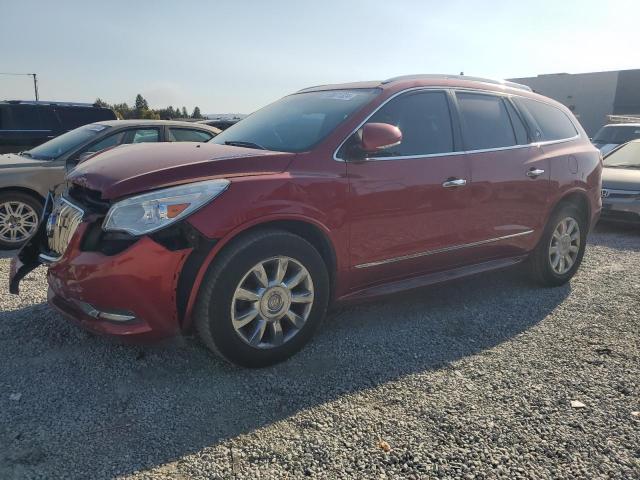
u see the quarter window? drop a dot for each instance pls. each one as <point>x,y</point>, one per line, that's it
<point>485,122</point>
<point>551,122</point>
<point>424,120</point>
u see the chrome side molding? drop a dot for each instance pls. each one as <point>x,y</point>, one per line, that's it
<point>442,250</point>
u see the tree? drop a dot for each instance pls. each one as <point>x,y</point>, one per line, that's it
<point>100,103</point>
<point>196,113</point>
<point>122,110</point>
<point>141,103</point>
<point>184,112</point>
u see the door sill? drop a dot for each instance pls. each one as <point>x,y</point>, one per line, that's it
<point>429,279</point>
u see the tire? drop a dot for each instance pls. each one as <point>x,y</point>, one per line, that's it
<point>20,215</point>
<point>544,264</point>
<point>221,303</point>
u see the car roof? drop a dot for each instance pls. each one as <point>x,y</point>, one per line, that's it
<point>169,123</point>
<point>622,125</point>
<point>52,103</point>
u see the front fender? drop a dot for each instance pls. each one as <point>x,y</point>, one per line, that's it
<point>251,202</point>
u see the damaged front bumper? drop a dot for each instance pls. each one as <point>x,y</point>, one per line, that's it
<point>130,292</point>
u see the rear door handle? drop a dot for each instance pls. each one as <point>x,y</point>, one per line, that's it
<point>534,172</point>
<point>454,182</point>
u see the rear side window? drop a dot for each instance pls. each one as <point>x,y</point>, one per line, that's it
<point>551,122</point>
<point>24,117</point>
<point>145,135</point>
<point>73,117</point>
<point>485,122</point>
<point>424,120</point>
<point>188,135</point>
<point>48,119</point>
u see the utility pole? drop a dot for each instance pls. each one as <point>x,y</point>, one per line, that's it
<point>35,85</point>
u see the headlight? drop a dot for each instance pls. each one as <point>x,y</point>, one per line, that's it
<point>149,212</point>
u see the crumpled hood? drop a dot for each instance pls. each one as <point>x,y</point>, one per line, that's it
<point>12,160</point>
<point>621,178</point>
<point>130,169</point>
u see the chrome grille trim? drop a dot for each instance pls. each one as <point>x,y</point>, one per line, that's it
<point>612,193</point>
<point>62,223</point>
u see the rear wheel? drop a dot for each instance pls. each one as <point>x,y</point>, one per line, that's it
<point>561,248</point>
<point>263,299</point>
<point>19,218</point>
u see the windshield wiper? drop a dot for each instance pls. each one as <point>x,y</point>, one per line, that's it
<point>239,143</point>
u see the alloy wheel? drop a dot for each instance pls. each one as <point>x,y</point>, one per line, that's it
<point>18,221</point>
<point>564,245</point>
<point>272,302</point>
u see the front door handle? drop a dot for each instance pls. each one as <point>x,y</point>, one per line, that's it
<point>534,172</point>
<point>454,182</point>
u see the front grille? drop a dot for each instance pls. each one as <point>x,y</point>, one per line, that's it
<point>62,223</point>
<point>620,194</point>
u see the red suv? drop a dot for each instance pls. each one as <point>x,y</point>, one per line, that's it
<point>334,193</point>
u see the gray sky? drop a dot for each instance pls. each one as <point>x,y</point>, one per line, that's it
<point>236,56</point>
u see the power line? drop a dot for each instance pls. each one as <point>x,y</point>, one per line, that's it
<point>35,80</point>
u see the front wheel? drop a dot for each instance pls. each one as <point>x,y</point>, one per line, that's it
<point>561,248</point>
<point>19,218</point>
<point>263,299</point>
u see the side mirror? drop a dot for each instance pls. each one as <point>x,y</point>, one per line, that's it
<point>378,136</point>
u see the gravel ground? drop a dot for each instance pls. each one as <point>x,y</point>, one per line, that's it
<point>473,379</point>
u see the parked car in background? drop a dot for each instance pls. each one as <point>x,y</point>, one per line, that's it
<point>27,177</point>
<point>221,123</point>
<point>26,124</point>
<point>610,136</point>
<point>334,193</point>
<point>621,184</point>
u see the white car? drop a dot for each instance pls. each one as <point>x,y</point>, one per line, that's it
<point>612,135</point>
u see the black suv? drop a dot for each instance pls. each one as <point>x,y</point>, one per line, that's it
<point>26,124</point>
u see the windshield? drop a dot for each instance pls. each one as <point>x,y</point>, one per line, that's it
<point>627,156</point>
<point>298,122</point>
<point>64,143</point>
<point>617,134</point>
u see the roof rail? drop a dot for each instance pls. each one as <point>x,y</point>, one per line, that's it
<point>50,102</point>
<point>492,81</point>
